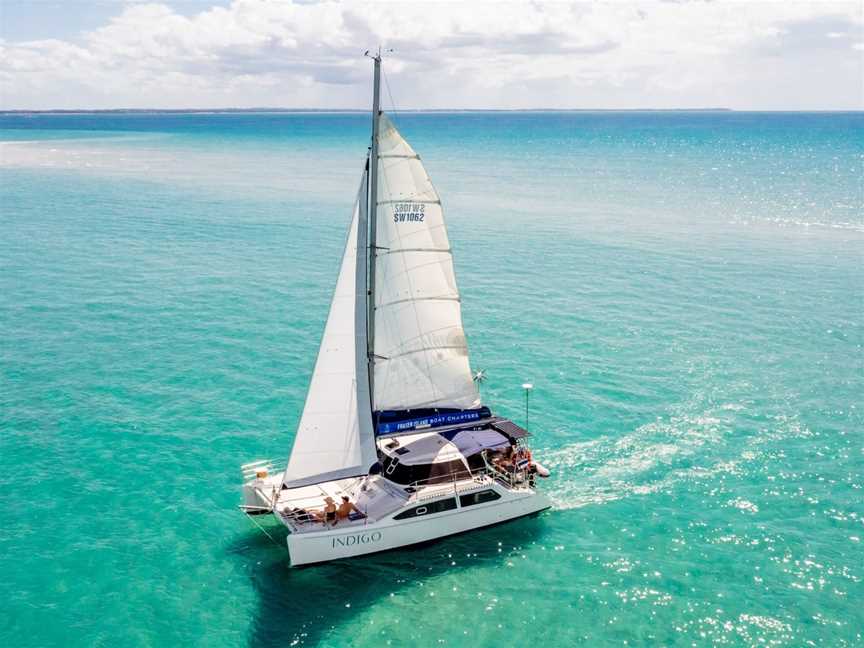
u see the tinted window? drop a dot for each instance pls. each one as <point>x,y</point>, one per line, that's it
<point>437,473</point>
<point>427,509</point>
<point>478,498</point>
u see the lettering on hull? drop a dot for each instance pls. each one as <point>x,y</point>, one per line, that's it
<point>356,539</point>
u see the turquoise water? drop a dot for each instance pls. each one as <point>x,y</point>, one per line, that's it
<point>684,289</point>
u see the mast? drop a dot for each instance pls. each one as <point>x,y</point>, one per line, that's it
<point>373,227</point>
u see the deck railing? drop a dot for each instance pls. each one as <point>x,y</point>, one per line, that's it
<point>423,489</point>
<point>515,479</point>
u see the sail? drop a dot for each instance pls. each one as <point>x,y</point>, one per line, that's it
<point>335,437</point>
<point>420,352</point>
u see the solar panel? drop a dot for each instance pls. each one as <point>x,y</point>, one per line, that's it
<point>510,429</point>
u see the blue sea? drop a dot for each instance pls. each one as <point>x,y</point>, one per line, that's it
<point>684,289</point>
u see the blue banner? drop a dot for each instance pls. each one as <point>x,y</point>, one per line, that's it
<point>436,420</point>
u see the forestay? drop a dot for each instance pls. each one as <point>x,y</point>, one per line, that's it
<point>335,438</point>
<point>421,355</point>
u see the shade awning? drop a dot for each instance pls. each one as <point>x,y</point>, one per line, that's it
<point>510,429</point>
<point>470,442</point>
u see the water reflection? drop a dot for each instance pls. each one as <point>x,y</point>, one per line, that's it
<point>299,606</point>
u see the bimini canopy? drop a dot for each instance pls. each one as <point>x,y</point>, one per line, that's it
<point>426,448</point>
<point>426,458</point>
<point>432,457</point>
<point>470,442</point>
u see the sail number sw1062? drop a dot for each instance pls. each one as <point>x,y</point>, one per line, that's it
<point>408,212</point>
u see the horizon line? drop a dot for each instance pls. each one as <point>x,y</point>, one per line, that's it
<point>265,109</point>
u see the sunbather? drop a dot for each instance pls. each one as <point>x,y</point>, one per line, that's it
<point>329,512</point>
<point>505,459</point>
<point>346,508</point>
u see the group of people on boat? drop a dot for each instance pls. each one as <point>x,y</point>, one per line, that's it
<point>512,459</point>
<point>517,459</point>
<point>331,513</point>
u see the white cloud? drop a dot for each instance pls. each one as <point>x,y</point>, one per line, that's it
<point>480,54</point>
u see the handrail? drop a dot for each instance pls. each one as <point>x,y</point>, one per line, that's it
<point>306,523</point>
<point>442,479</point>
<point>507,479</point>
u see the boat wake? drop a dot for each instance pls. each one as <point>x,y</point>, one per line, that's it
<point>658,456</point>
<point>797,222</point>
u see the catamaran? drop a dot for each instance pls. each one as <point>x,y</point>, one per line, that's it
<point>393,426</point>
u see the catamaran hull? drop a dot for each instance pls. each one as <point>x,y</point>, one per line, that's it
<point>333,543</point>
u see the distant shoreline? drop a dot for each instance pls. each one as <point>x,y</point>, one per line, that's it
<point>193,111</point>
<point>353,111</point>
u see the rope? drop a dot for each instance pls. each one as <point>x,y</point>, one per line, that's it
<point>390,94</point>
<point>255,522</point>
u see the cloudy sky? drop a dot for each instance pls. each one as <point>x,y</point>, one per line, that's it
<point>307,54</point>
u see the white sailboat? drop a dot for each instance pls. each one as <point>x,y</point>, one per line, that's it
<point>393,420</point>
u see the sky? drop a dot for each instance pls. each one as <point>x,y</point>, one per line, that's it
<point>756,55</point>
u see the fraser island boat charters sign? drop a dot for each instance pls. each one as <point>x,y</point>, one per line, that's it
<point>432,421</point>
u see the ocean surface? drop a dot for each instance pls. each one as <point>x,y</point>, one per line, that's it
<point>685,290</point>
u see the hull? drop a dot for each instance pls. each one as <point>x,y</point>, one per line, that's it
<point>333,543</point>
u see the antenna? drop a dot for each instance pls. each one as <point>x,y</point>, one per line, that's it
<point>377,57</point>
<point>527,387</point>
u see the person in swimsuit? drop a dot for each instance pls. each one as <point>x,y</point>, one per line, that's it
<point>506,460</point>
<point>329,513</point>
<point>346,508</point>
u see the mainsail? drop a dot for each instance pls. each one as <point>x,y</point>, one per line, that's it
<point>420,355</point>
<point>335,438</point>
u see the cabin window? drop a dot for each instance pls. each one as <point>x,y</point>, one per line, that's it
<point>436,473</point>
<point>427,509</point>
<point>391,467</point>
<point>478,498</point>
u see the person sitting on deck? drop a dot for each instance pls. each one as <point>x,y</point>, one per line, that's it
<point>346,508</point>
<point>522,462</point>
<point>329,512</point>
<point>505,460</point>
